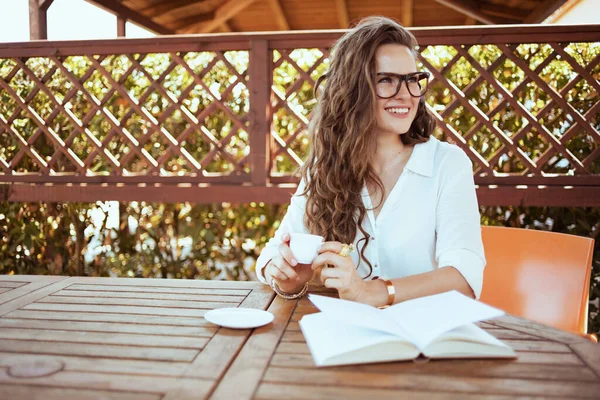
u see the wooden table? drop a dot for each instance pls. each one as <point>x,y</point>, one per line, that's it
<point>91,338</point>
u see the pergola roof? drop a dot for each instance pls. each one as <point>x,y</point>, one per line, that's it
<point>204,16</point>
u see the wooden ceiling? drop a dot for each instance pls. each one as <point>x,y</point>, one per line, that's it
<point>205,16</point>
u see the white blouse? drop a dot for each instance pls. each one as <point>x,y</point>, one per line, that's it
<point>429,220</point>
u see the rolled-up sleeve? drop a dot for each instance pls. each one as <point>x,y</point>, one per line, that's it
<point>293,221</point>
<point>458,226</point>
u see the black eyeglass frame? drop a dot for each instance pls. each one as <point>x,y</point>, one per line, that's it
<point>404,78</point>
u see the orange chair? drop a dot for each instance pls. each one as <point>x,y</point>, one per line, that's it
<point>538,275</point>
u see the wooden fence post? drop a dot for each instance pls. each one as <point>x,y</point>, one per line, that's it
<point>261,75</point>
<point>38,20</point>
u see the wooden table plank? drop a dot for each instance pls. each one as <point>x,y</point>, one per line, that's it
<point>188,388</point>
<point>242,378</point>
<point>273,391</point>
<point>589,354</point>
<point>238,298</point>
<point>87,308</point>
<point>118,301</point>
<point>15,286</point>
<point>22,392</point>
<point>536,329</point>
<point>88,336</point>
<point>111,317</point>
<point>142,338</point>
<point>420,382</point>
<point>482,368</point>
<point>136,328</point>
<point>180,290</point>
<point>97,364</point>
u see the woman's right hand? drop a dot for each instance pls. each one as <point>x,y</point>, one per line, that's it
<point>288,274</point>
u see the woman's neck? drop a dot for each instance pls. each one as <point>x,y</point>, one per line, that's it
<point>386,154</point>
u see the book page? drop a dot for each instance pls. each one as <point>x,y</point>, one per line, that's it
<point>428,317</point>
<point>467,341</point>
<point>469,333</point>
<point>332,342</point>
<point>357,314</point>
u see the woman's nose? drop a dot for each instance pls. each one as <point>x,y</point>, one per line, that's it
<point>403,93</point>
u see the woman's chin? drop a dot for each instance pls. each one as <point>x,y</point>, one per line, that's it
<point>396,131</point>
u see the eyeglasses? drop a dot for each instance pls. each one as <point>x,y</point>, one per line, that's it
<point>388,85</point>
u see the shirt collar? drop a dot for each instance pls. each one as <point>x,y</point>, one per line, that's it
<point>421,159</point>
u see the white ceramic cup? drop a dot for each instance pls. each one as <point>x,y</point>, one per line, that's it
<point>305,247</point>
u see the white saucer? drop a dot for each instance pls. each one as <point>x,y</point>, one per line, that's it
<point>239,318</point>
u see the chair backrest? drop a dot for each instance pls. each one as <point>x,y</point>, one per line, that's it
<point>542,276</point>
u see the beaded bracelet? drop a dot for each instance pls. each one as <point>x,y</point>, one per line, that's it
<point>286,295</point>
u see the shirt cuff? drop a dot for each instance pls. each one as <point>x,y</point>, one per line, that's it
<point>265,256</point>
<point>468,263</point>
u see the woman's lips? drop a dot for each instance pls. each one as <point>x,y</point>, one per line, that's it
<point>398,112</point>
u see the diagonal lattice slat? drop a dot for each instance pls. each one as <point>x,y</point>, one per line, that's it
<point>522,110</point>
<point>97,105</point>
<point>481,116</point>
<point>80,125</point>
<point>59,145</point>
<point>282,102</point>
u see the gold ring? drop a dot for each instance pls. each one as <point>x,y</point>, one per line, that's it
<point>346,250</point>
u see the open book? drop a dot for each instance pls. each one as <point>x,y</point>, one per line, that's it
<point>438,326</point>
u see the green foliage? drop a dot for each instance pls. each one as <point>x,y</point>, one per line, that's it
<point>222,241</point>
<point>198,241</point>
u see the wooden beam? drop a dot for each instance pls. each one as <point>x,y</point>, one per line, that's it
<point>45,4</point>
<point>563,10</point>
<point>343,14</point>
<point>468,8</point>
<point>196,19</point>
<point>162,7</point>
<point>188,10</point>
<point>407,13</point>
<point>497,10</point>
<point>225,27</point>
<point>470,21</point>
<point>38,21</point>
<point>222,14</point>
<point>121,26</point>
<point>115,7</point>
<point>280,18</point>
<point>543,11</point>
<point>500,195</point>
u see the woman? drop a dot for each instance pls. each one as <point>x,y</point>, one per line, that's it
<point>376,179</point>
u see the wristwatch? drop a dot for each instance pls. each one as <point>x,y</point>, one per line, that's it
<point>391,291</point>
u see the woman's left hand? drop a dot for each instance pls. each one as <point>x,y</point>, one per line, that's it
<point>339,272</point>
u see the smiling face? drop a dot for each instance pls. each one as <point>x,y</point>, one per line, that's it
<point>396,114</point>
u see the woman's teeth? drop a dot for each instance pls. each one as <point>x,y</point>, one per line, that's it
<point>397,110</point>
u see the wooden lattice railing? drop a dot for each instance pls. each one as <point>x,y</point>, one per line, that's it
<point>223,118</point>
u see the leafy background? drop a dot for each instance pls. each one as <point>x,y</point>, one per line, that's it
<point>222,241</point>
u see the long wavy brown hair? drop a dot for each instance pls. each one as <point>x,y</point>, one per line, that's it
<point>342,132</point>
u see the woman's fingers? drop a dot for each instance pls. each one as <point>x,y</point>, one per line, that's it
<point>281,270</point>
<point>331,273</point>
<point>334,247</point>
<point>275,273</point>
<point>334,283</point>
<point>286,252</point>
<point>329,258</point>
